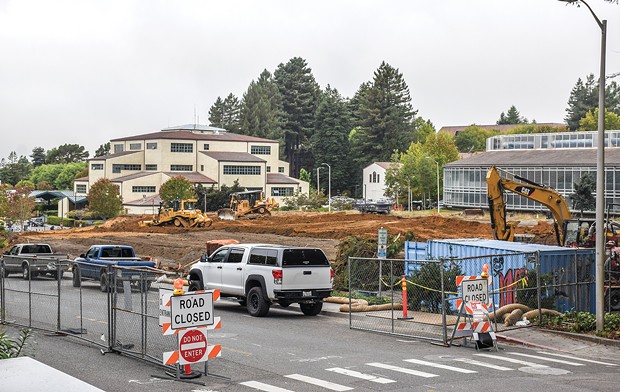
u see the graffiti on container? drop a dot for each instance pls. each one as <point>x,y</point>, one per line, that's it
<point>508,291</point>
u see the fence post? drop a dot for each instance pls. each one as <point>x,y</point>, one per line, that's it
<point>59,272</point>
<point>443,304</point>
<point>350,292</point>
<point>2,294</point>
<point>538,288</point>
<point>111,322</point>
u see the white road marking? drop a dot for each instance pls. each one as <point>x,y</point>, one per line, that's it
<point>578,359</point>
<point>484,364</point>
<point>321,383</point>
<point>548,359</point>
<point>264,387</point>
<point>439,365</point>
<point>402,370</point>
<point>532,364</point>
<point>367,377</point>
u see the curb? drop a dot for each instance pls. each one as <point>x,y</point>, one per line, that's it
<point>572,335</point>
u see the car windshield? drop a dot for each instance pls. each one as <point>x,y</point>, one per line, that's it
<point>303,257</point>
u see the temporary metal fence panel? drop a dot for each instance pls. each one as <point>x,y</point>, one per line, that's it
<point>414,310</point>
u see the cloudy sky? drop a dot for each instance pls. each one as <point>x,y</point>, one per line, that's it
<point>86,71</point>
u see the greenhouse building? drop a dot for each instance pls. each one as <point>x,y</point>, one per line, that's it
<point>558,160</point>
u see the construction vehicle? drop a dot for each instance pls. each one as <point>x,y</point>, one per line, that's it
<point>247,203</point>
<point>180,213</point>
<point>574,232</point>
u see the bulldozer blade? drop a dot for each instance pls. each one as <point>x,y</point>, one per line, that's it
<point>226,214</point>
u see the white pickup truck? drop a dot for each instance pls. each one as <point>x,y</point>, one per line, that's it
<point>260,274</point>
<point>34,259</point>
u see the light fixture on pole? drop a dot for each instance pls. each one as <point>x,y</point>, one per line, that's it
<point>600,176</point>
<point>329,186</point>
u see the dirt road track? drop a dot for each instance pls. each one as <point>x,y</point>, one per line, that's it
<point>324,230</point>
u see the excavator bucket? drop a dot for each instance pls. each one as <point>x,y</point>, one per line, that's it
<point>226,214</point>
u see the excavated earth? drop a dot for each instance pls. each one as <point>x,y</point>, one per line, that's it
<point>180,246</point>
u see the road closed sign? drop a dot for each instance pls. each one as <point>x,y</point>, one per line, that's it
<point>191,310</point>
<point>193,346</point>
<point>475,290</point>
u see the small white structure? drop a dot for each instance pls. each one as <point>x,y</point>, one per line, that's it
<point>374,180</point>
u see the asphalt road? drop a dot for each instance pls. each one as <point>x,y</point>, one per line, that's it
<point>289,351</point>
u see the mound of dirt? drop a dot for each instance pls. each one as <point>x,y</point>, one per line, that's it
<point>323,230</point>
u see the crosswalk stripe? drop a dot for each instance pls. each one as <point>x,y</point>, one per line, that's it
<point>367,377</point>
<point>321,383</point>
<point>264,387</point>
<point>439,365</point>
<point>402,370</point>
<point>548,359</point>
<point>532,364</point>
<point>484,364</point>
<point>577,359</point>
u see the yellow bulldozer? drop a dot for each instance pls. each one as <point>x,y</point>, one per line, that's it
<point>180,213</point>
<point>249,203</point>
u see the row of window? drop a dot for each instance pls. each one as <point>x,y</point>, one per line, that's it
<point>551,140</point>
<point>374,177</point>
<point>186,147</point>
<point>275,191</point>
<point>143,189</point>
<point>228,169</point>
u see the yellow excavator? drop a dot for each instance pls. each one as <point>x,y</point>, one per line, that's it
<point>180,213</point>
<point>547,196</point>
<point>247,203</point>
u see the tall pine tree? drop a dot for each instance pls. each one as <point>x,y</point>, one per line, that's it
<point>385,116</point>
<point>226,113</point>
<point>299,91</point>
<point>330,142</point>
<point>584,98</point>
<point>261,109</point>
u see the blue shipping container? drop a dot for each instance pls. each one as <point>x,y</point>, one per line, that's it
<point>571,269</point>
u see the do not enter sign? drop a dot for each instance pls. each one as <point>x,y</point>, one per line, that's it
<point>193,346</point>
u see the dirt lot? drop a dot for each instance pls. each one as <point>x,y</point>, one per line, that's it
<point>324,230</point>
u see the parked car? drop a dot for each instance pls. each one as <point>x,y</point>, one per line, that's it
<point>34,259</point>
<point>259,275</point>
<point>95,263</point>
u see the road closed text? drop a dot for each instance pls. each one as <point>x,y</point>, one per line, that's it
<point>475,290</point>
<point>193,310</point>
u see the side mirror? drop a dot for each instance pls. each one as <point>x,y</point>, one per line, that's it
<point>83,255</point>
<point>203,258</point>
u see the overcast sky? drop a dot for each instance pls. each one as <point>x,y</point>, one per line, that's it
<point>86,72</point>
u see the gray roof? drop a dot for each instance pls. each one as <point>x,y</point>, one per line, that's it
<point>145,201</point>
<point>189,135</point>
<point>57,194</point>
<point>109,156</point>
<point>132,176</point>
<point>536,158</point>
<point>194,177</point>
<point>195,127</point>
<point>278,178</point>
<point>225,156</point>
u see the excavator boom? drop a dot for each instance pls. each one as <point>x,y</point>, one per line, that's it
<point>549,197</point>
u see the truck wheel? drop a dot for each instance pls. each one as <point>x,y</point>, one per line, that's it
<point>257,305</point>
<point>26,272</point>
<point>55,275</point>
<point>195,285</point>
<point>77,276</point>
<point>311,309</point>
<point>103,282</point>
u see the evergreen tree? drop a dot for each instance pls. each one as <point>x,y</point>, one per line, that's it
<point>226,113</point>
<point>38,156</point>
<point>216,113</point>
<point>385,116</point>
<point>67,153</point>
<point>512,117</point>
<point>104,149</point>
<point>330,143</point>
<point>583,199</point>
<point>261,110</point>
<point>15,169</point>
<point>299,92</point>
<point>584,98</point>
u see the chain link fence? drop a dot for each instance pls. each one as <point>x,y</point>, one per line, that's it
<point>119,311</point>
<point>522,287</point>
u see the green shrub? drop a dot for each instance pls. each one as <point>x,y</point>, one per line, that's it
<point>56,220</point>
<point>13,348</point>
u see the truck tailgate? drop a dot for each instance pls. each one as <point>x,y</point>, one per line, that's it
<point>306,277</point>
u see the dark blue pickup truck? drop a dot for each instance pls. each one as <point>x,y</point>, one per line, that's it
<point>103,261</point>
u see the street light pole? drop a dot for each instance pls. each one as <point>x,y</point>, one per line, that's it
<point>329,186</point>
<point>600,177</point>
<point>318,182</point>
